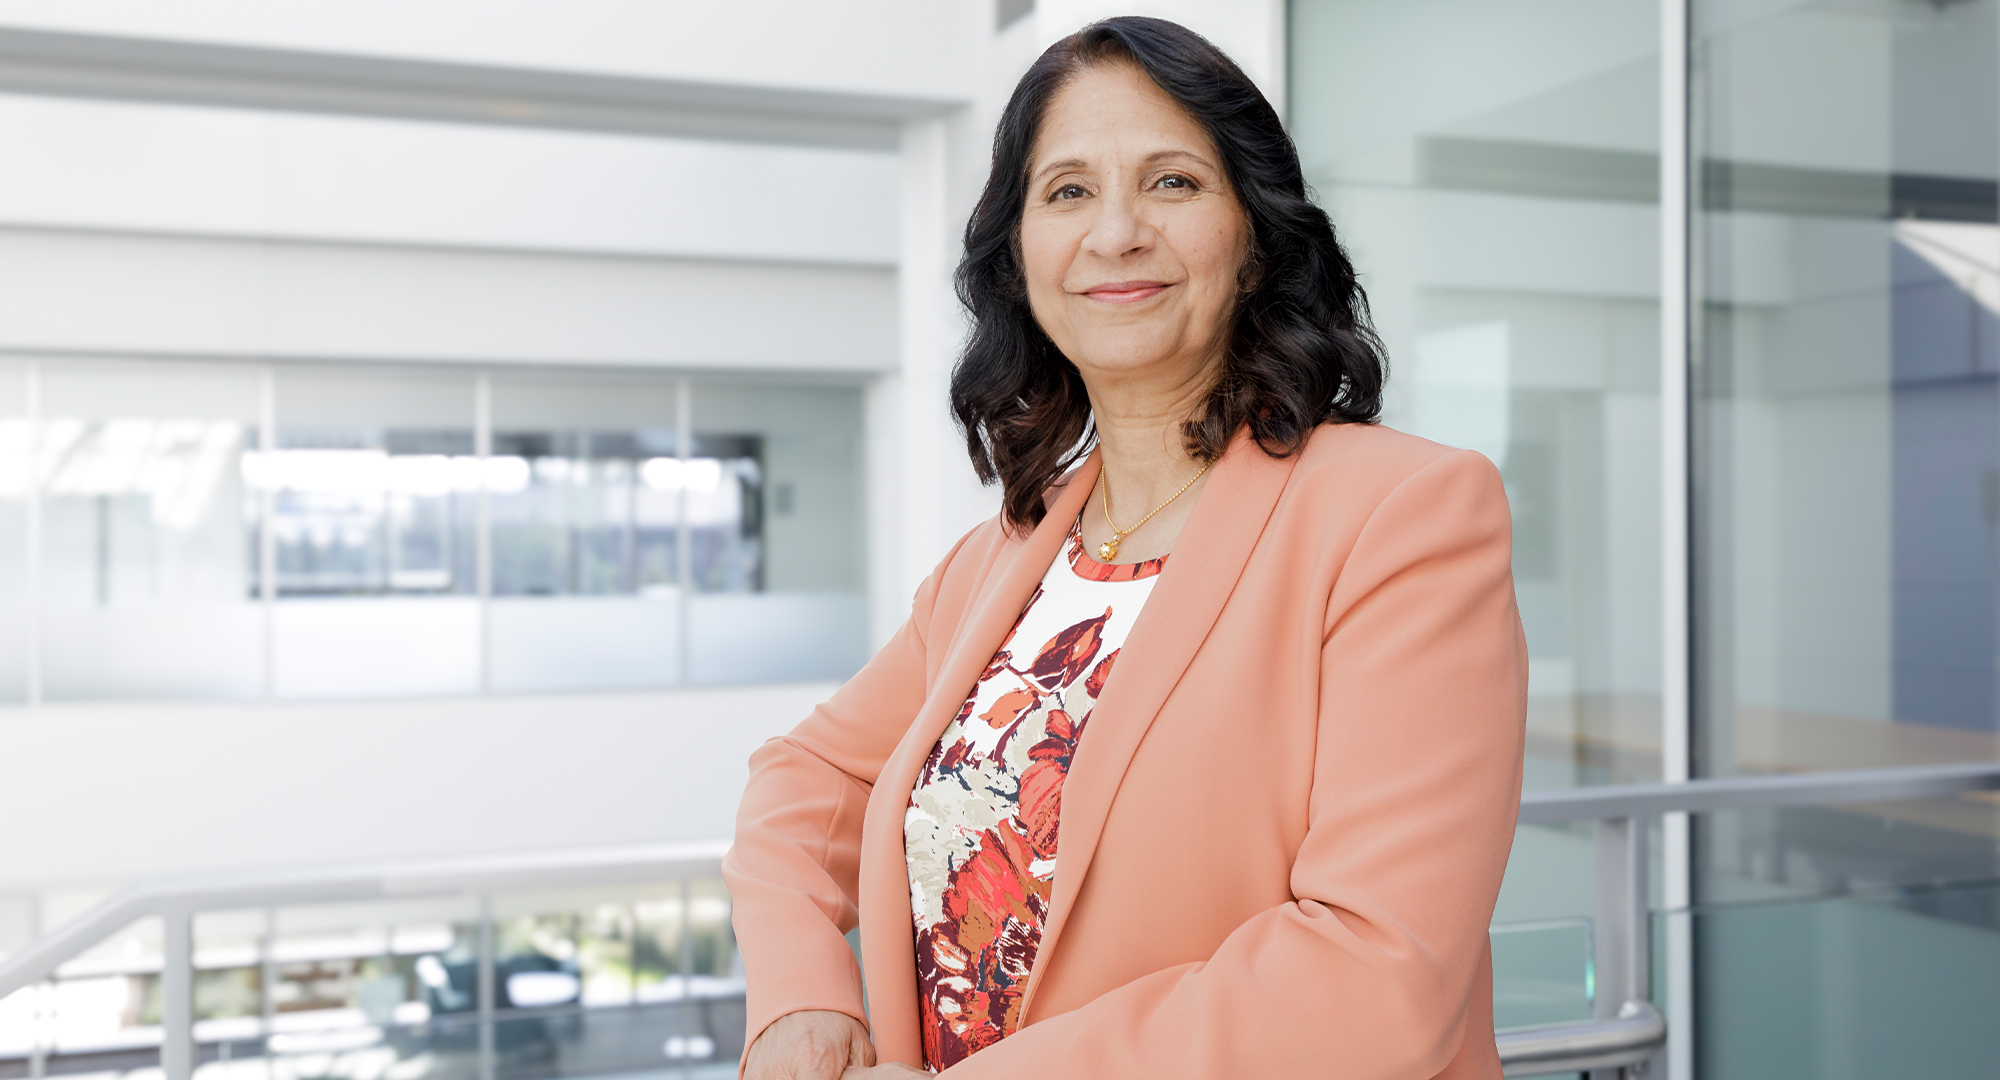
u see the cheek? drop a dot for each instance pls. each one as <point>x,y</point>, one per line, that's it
<point>1216,249</point>
<point>1045,253</point>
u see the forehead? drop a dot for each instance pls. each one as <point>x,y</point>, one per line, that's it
<point>1114,110</point>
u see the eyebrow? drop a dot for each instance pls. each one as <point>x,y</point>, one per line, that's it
<point>1152,158</point>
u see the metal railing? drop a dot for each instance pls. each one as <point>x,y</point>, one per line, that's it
<point>1625,1035</point>
<point>1628,1030</point>
<point>177,902</point>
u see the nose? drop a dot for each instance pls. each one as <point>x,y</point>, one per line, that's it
<point>1118,229</point>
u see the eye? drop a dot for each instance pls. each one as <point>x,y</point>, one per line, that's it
<point>1176,182</point>
<point>1069,191</point>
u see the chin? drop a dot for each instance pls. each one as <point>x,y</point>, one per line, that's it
<point>1123,353</point>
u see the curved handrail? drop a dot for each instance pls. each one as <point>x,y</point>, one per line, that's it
<point>1635,1034</point>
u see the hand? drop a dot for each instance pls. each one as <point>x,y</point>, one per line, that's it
<point>893,1070</point>
<point>812,1044</point>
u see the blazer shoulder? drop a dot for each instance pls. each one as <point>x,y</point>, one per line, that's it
<point>1363,459</point>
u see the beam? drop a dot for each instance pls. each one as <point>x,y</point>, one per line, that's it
<point>232,76</point>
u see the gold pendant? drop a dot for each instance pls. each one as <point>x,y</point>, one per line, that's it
<point>1107,551</point>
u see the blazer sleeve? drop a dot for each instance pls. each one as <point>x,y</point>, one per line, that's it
<point>793,869</point>
<point>1371,971</point>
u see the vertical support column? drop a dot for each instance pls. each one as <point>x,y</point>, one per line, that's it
<point>31,610</point>
<point>267,536</point>
<point>1676,494</point>
<point>1676,519</point>
<point>482,540</point>
<point>38,1050</point>
<point>484,991</point>
<point>935,495</point>
<point>687,977</point>
<point>921,418</point>
<point>1623,925</point>
<point>177,996</point>
<point>267,960</point>
<point>683,536</point>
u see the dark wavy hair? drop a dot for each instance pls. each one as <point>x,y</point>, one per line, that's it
<point>1301,349</point>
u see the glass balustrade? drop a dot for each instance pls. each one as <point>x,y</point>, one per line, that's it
<point>625,980</point>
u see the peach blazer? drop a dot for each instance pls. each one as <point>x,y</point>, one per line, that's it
<point>1282,835</point>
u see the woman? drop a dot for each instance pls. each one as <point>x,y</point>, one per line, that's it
<point>1269,842</point>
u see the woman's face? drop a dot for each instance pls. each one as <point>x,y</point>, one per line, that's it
<point>1131,238</point>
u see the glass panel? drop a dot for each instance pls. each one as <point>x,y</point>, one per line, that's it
<point>1849,432</point>
<point>1848,429</point>
<point>13,532</point>
<point>1895,985</point>
<point>775,516</point>
<point>585,511</point>
<point>1498,192</point>
<point>1543,973</point>
<point>373,488</point>
<point>145,583</point>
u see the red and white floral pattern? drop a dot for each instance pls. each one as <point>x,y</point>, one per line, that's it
<point>981,830</point>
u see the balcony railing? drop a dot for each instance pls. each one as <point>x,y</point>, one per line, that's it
<point>1626,1034</point>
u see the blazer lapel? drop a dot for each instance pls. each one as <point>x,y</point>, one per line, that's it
<point>888,946</point>
<point>1201,572</point>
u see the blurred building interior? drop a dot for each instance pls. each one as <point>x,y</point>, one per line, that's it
<point>448,431</point>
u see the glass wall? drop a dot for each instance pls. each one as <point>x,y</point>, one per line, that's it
<point>1493,170</point>
<point>1849,429</point>
<point>320,531</point>
<point>586,516</point>
<point>372,491</point>
<point>1847,490</point>
<point>776,541</point>
<point>14,473</point>
<point>145,573</point>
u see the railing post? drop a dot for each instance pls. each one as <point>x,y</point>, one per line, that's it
<point>484,992</point>
<point>687,978</point>
<point>1623,930</point>
<point>177,995</point>
<point>38,1053</point>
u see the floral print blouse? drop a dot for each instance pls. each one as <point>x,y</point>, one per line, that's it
<point>980,831</point>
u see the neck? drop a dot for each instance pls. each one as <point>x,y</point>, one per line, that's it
<point>1139,439</point>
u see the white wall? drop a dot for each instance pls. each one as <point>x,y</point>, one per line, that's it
<point>95,795</point>
<point>243,173</point>
<point>73,291</point>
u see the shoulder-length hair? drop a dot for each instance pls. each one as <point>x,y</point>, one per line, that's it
<point>1301,349</point>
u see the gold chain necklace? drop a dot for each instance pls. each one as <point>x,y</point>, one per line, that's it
<point>1108,550</point>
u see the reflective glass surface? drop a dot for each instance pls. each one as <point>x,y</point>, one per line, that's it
<point>1849,429</point>
<point>1493,172</point>
<point>586,504</point>
<point>1847,267</point>
<point>372,489</point>
<point>775,533</point>
<point>145,582</point>
<point>1897,983</point>
<point>13,532</point>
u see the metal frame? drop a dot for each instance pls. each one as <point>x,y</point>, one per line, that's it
<point>1624,1036</point>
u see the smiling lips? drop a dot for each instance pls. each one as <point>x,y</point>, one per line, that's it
<point>1125,292</point>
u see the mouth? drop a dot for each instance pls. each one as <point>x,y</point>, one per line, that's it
<point>1125,292</point>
